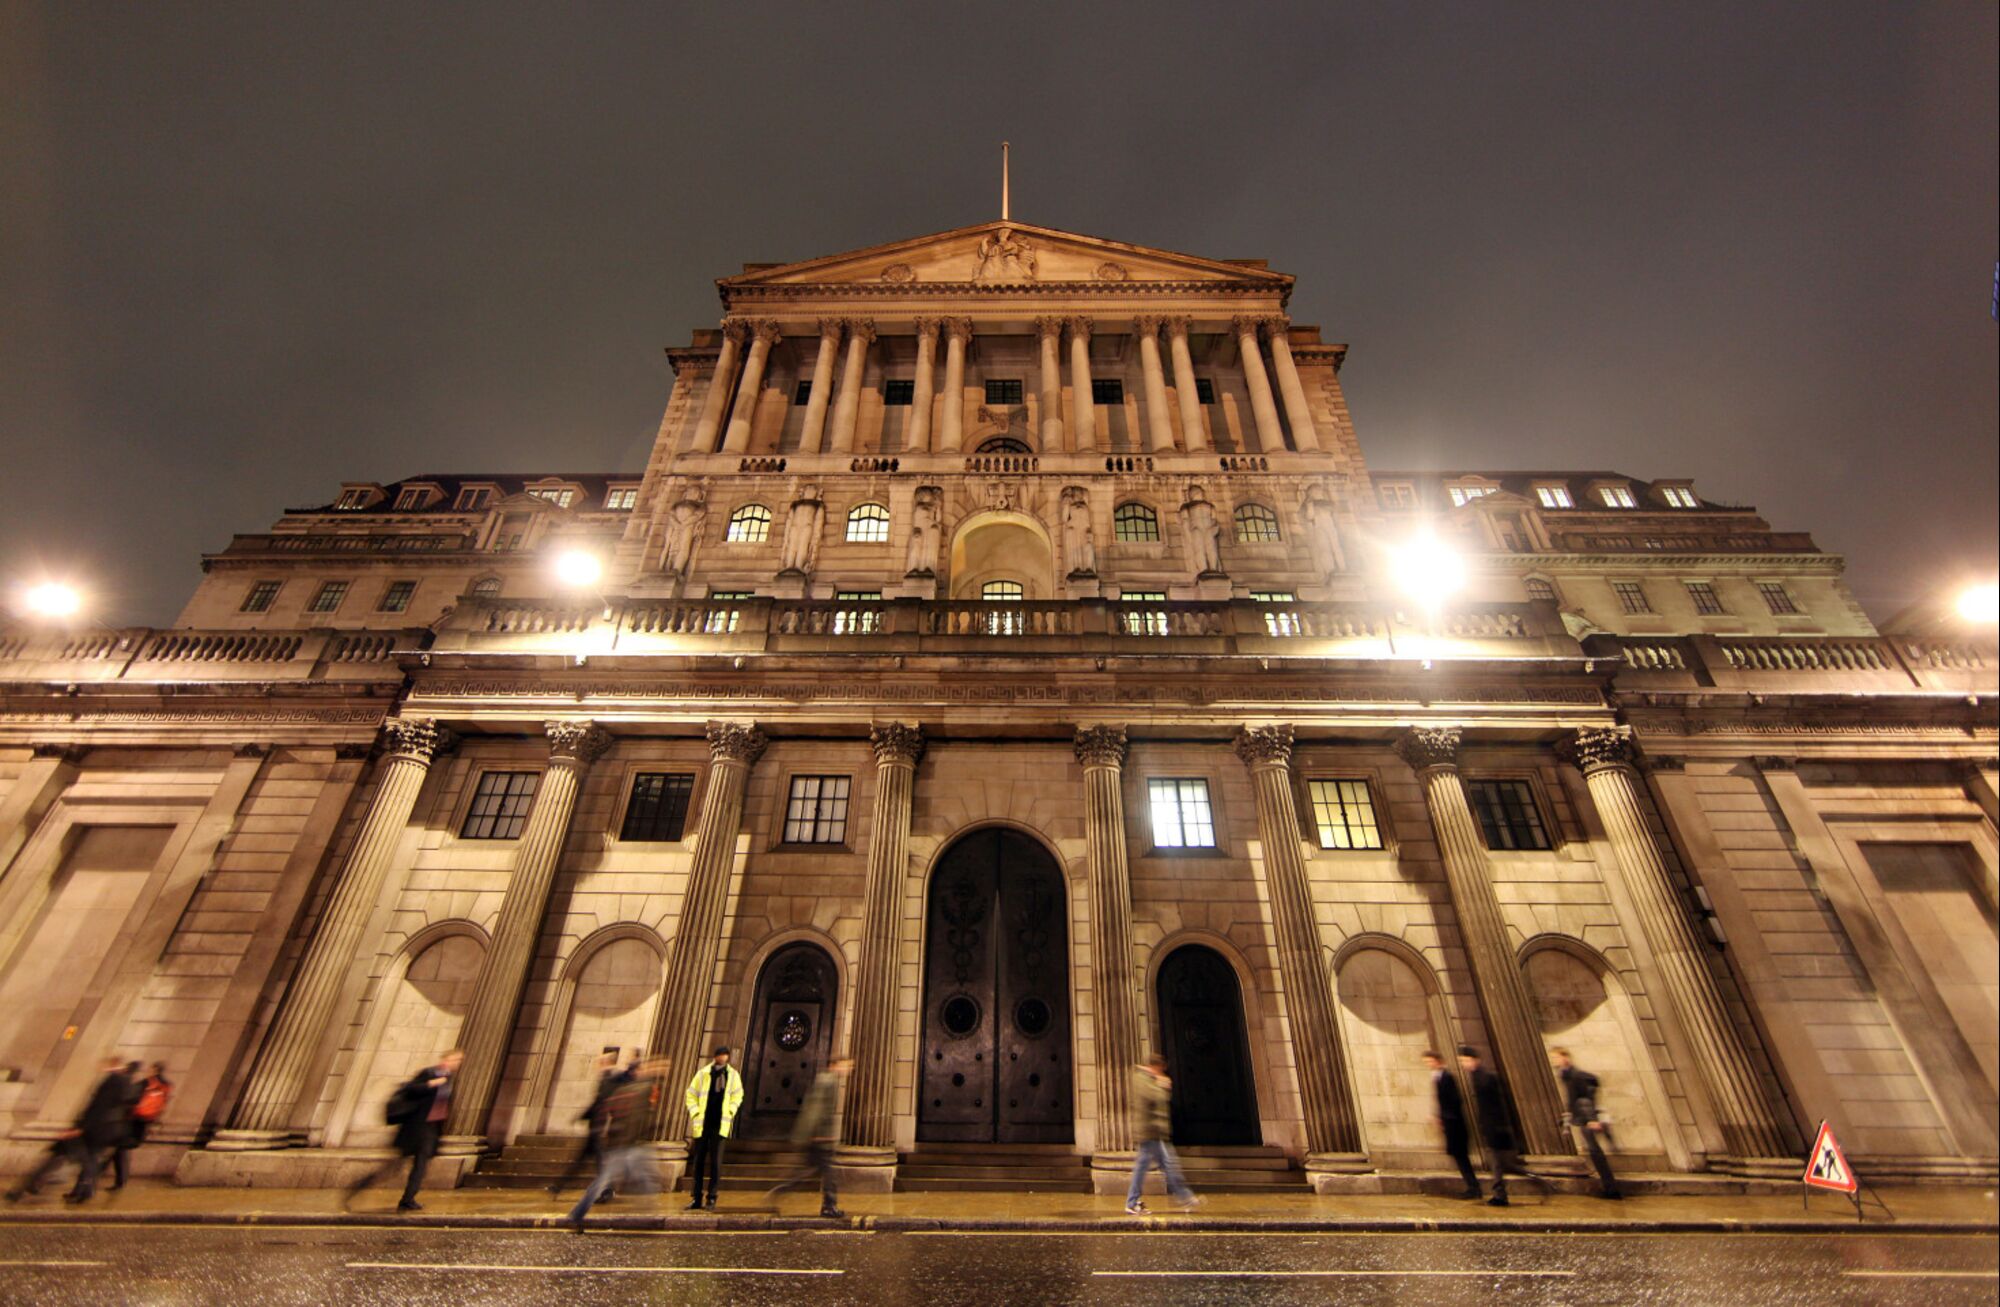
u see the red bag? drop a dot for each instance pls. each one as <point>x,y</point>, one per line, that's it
<point>152,1100</point>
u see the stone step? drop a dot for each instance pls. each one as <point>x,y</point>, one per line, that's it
<point>1012,1185</point>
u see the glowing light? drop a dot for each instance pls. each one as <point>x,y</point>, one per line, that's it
<point>578,567</point>
<point>52,599</point>
<point>1980,603</point>
<point>1428,570</point>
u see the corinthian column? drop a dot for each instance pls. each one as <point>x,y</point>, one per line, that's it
<point>1049,332</point>
<point>1083,408</point>
<point>733,333</point>
<point>922,395</point>
<point>951,419</point>
<point>738,438</point>
<point>1305,437</point>
<point>847,409</point>
<point>1511,1029</point>
<point>1749,1129</point>
<point>1159,428</point>
<point>869,1121</point>
<point>1101,750</point>
<point>263,1117</point>
<point>1326,1093</point>
<point>681,1019</point>
<point>1194,435</point>
<point>496,997</point>
<point>814,434</point>
<point>1270,436</point>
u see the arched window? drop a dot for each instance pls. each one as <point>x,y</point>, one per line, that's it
<point>868,524</point>
<point>1256,522</point>
<point>1003,592</point>
<point>1004,445</point>
<point>486,587</point>
<point>1131,521</point>
<point>749,525</point>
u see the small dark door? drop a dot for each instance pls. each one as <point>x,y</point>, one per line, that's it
<point>996,1054</point>
<point>1202,1038</point>
<point>791,1034</point>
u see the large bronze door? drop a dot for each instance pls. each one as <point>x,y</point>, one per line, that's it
<point>1208,1058</point>
<point>996,1051</point>
<point>791,1033</point>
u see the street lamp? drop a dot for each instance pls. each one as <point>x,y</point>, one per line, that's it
<point>51,601</point>
<point>578,568</point>
<point>1980,604</point>
<point>1428,570</point>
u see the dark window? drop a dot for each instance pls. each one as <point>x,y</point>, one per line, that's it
<point>816,812</point>
<point>1134,522</point>
<point>1706,601</point>
<point>899,394</point>
<point>1204,390</point>
<point>1003,391</point>
<point>1107,392</point>
<point>262,595</point>
<point>486,587</point>
<point>414,497</point>
<point>1776,597</point>
<point>1542,590</point>
<point>803,392</point>
<point>659,806</point>
<point>1004,445</point>
<point>1631,596</point>
<point>1181,815</point>
<point>1344,813</point>
<point>472,500</point>
<point>500,805</point>
<point>1508,815</point>
<point>397,597</point>
<point>329,597</point>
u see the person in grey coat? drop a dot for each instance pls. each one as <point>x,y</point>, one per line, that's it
<point>817,1126</point>
<point>1151,1111</point>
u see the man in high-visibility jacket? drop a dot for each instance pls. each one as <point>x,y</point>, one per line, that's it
<point>712,1099</point>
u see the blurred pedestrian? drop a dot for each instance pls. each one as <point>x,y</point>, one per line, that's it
<point>150,1097</point>
<point>418,1110</point>
<point>1451,1119</point>
<point>1496,1128</point>
<point>97,1129</point>
<point>712,1099</point>
<point>1151,1112</point>
<point>609,1077</point>
<point>817,1126</point>
<point>1580,1096</point>
<point>627,1159</point>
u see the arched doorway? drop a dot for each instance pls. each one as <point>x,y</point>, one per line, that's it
<point>1208,1055</point>
<point>1002,545</point>
<point>791,1036</point>
<point>996,1051</point>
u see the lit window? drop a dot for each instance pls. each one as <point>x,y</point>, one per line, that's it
<point>1463,495</point>
<point>722,621</point>
<point>857,621</point>
<point>1012,622</point>
<point>560,496</point>
<point>262,595</point>
<point>486,587</point>
<point>1279,623</point>
<point>1397,495</point>
<point>1777,598</point>
<point>329,597</point>
<point>816,810</point>
<point>1181,816</point>
<point>397,597</point>
<point>1631,596</point>
<point>1680,497</point>
<point>1541,590</point>
<point>1255,522</point>
<point>897,393</point>
<point>472,499</point>
<point>1706,601</point>
<point>1107,392</point>
<point>868,524</point>
<point>1508,815</point>
<point>353,499</point>
<point>658,808</point>
<point>1134,620</point>
<point>1134,522</point>
<point>1345,815</point>
<point>749,525</point>
<point>1003,391</point>
<point>1554,496</point>
<point>1617,496</point>
<point>1204,390</point>
<point>413,497</point>
<point>500,804</point>
<point>622,497</point>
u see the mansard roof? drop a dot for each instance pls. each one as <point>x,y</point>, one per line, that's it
<point>1523,483</point>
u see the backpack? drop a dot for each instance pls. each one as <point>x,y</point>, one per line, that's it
<point>152,1100</point>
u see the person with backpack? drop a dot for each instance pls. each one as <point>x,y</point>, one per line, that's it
<point>418,1110</point>
<point>627,1157</point>
<point>1580,1093</point>
<point>151,1097</point>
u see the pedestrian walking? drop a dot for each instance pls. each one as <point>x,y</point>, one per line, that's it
<point>418,1110</point>
<point>627,1160</point>
<point>712,1099</point>
<point>1496,1127</point>
<point>1451,1119</point>
<point>97,1129</point>
<point>150,1097</point>
<point>817,1126</point>
<point>1151,1112</point>
<point>1580,1096</point>
<point>591,1155</point>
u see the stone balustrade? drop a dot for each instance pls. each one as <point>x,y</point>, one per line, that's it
<point>147,654</point>
<point>1806,664</point>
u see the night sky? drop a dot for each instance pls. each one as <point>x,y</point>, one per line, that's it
<point>247,251</point>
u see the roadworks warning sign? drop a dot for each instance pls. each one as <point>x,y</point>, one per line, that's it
<point>1826,1166</point>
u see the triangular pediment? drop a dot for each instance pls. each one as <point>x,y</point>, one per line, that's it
<point>1007,253</point>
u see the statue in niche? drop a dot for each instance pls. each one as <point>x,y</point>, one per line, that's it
<point>802,529</point>
<point>684,524</point>
<point>1003,256</point>
<point>1201,537</point>
<point>1079,549</point>
<point>926,532</point>
<point>1322,532</point>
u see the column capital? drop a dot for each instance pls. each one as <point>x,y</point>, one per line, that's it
<point>417,738</point>
<point>69,753</point>
<point>1264,746</point>
<point>1274,326</point>
<point>1079,326</point>
<point>1049,324</point>
<point>1428,747</point>
<point>1101,746</point>
<point>767,330</point>
<point>736,329</point>
<point>830,329</point>
<point>861,329</point>
<point>1594,748</point>
<point>1247,324</point>
<point>735,742</point>
<point>1177,324</point>
<point>959,329</point>
<point>581,742</point>
<point>927,328</point>
<point>1147,324</point>
<point>897,743</point>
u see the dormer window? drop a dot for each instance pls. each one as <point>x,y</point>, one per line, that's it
<point>1397,494</point>
<point>1679,497</point>
<point>1554,497</point>
<point>472,499</point>
<point>413,497</point>
<point>560,496</point>
<point>622,498</point>
<point>1617,496</point>
<point>354,499</point>
<point>1463,495</point>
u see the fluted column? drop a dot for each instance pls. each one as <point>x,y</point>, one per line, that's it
<point>1326,1092</point>
<point>951,418</point>
<point>1512,1032</point>
<point>924,394</point>
<point>1305,436</point>
<point>1049,333</point>
<point>496,996</point>
<point>1270,436</point>
<point>263,1116</point>
<point>1749,1128</point>
<point>1115,986</point>
<point>680,1021</point>
<point>765,335</point>
<point>1083,408</point>
<point>847,409</point>
<point>734,331</point>
<point>869,1120</point>
<point>1194,435</point>
<point>1159,427</point>
<point>813,437</point>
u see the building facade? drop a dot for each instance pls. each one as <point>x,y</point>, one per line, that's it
<point>1007,664</point>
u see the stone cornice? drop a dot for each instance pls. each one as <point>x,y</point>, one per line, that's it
<point>897,743</point>
<point>1101,746</point>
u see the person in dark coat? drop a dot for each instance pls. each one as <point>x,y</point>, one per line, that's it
<point>150,1096</point>
<point>1451,1119</point>
<point>817,1126</point>
<point>1496,1127</point>
<point>609,1077</point>
<point>627,1160</point>
<point>97,1130</point>
<point>1580,1097</point>
<point>418,1111</point>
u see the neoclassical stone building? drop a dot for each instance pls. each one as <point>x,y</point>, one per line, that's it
<point>1005,664</point>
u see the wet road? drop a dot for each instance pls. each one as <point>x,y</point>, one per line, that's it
<point>274,1267</point>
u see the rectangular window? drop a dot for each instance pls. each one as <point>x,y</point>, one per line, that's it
<point>1397,495</point>
<point>414,497</point>
<point>857,621</point>
<point>1777,598</point>
<point>1133,620</point>
<point>354,499</point>
<point>1003,391</point>
<point>1680,497</point>
<point>500,804</point>
<point>722,621</point>
<point>898,393</point>
<point>1279,623</point>
<point>1508,815</point>
<point>1541,590</point>
<point>816,811</point>
<point>1706,601</point>
<point>1631,596</point>
<point>1181,816</point>
<point>1204,389</point>
<point>472,499</point>
<point>1554,496</point>
<point>622,497</point>
<point>329,597</point>
<point>262,595</point>
<point>803,392</point>
<point>1617,497</point>
<point>658,807</point>
<point>513,532</point>
<point>1345,815</point>
<point>397,597</point>
<point>1107,392</point>
<point>1463,495</point>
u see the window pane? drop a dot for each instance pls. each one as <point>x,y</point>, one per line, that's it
<point>624,497</point>
<point>261,597</point>
<point>500,804</point>
<point>1344,813</point>
<point>1003,391</point>
<point>1107,392</point>
<point>897,392</point>
<point>1631,597</point>
<point>1508,815</point>
<point>1256,522</point>
<point>750,525</point>
<point>1204,389</point>
<point>658,807</point>
<point>1776,597</point>
<point>816,810</point>
<point>1134,522</point>
<point>397,597</point>
<point>329,597</point>
<point>868,524</point>
<point>1181,816</point>
<point>1540,589</point>
<point>1706,601</point>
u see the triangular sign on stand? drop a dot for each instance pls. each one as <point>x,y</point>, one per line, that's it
<point>1826,1166</point>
